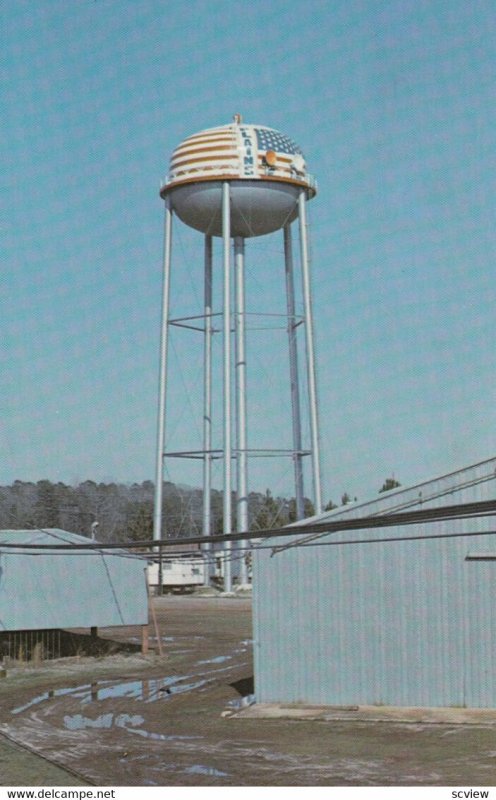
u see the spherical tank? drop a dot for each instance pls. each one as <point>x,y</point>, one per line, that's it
<point>265,169</point>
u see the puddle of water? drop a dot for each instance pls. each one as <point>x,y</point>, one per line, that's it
<point>185,687</point>
<point>129,722</point>
<point>200,769</point>
<point>78,722</point>
<point>217,660</point>
<point>162,639</point>
<point>245,645</point>
<point>242,702</point>
<point>162,737</point>
<point>79,691</point>
<point>148,691</point>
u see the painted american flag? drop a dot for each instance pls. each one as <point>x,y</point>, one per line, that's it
<point>232,151</point>
<point>268,139</point>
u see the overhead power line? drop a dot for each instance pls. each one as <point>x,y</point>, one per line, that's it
<point>483,508</point>
<point>421,537</point>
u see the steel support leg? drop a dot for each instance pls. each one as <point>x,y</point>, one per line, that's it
<point>207,400</point>
<point>241,443</point>
<point>159,474</point>
<point>293,375</point>
<point>226,240</point>
<point>312,383</point>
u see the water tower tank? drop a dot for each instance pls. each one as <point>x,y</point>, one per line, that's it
<point>265,169</point>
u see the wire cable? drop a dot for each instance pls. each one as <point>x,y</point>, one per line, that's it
<point>481,508</point>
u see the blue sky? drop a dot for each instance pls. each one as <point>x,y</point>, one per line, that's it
<point>393,105</point>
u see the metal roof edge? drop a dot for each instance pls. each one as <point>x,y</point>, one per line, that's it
<point>384,497</point>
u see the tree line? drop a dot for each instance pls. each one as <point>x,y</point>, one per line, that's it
<point>124,512</point>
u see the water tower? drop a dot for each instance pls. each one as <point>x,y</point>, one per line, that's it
<point>238,181</point>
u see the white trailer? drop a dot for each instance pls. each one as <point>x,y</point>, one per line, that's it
<point>179,574</point>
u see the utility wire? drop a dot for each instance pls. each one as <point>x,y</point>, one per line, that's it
<point>420,537</point>
<point>481,508</point>
<point>275,551</point>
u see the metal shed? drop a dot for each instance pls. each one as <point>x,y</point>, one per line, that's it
<point>41,589</point>
<point>406,623</point>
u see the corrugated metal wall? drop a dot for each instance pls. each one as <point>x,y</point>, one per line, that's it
<point>398,623</point>
<point>68,590</point>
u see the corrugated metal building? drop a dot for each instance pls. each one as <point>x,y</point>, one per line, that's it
<point>407,623</point>
<point>42,589</point>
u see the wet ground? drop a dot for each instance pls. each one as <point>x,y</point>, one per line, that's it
<point>158,720</point>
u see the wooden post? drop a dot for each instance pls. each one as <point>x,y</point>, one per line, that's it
<point>144,639</point>
<point>151,612</point>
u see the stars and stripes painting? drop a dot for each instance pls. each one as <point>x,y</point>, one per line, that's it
<point>233,151</point>
<point>268,139</point>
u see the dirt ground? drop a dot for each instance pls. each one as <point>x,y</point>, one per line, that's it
<point>154,720</point>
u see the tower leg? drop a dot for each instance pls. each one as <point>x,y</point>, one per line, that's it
<point>293,375</point>
<point>312,383</point>
<point>226,240</point>
<point>241,453</point>
<point>207,400</point>
<point>159,474</point>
